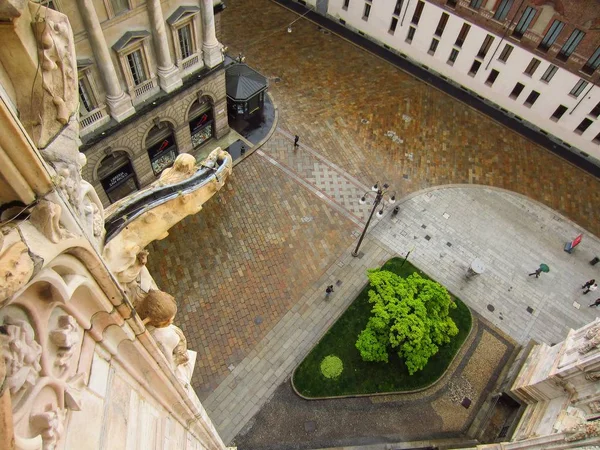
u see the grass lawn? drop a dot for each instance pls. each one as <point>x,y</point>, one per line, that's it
<point>360,377</point>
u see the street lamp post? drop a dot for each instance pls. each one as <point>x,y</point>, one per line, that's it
<point>379,195</point>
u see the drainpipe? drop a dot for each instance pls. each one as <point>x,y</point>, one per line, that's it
<point>404,15</point>
<point>504,35</point>
<point>582,97</point>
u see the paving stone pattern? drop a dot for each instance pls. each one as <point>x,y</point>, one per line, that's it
<point>240,264</point>
<point>345,102</point>
<point>512,236</point>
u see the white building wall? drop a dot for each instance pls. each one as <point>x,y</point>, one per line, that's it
<point>551,96</point>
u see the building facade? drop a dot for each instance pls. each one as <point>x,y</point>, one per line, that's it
<point>537,60</point>
<point>151,86</point>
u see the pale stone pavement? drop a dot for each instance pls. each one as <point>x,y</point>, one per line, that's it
<point>446,228</point>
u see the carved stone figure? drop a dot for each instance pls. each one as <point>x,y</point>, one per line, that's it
<point>57,100</point>
<point>22,354</point>
<point>593,376</point>
<point>130,278</point>
<point>50,425</point>
<point>183,168</point>
<point>16,266</point>
<point>158,310</point>
<point>583,431</point>
<point>593,338</point>
<point>66,338</point>
<point>594,406</point>
<point>45,216</point>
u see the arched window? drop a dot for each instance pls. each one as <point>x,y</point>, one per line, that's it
<point>161,147</point>
<point>117,176</point>
<point>201,120</point>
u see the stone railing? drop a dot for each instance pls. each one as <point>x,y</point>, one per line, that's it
<point>94,117</point>
<point>190,62</point>
<point>143,88</point>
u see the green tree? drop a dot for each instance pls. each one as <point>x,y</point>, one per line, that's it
<point>410,315</point>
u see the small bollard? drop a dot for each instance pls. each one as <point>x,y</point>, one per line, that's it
<point>395,211</point>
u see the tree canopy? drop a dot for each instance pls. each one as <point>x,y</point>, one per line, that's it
<point>410,315</point>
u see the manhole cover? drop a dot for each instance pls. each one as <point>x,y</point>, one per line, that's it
<point>423,226</point>
<point>258,320</point>
<point>310,426</point>
<point>449,244</point>
<point>490,308</point>
<point>427,238</point>
<point>466,402</point>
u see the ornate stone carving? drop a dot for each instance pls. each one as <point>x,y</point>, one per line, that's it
<point>593,338</point>
<point>158,310</point>
<point>16,266</point>
<point>183,168</point>
<point>22,354</point>
<point>594,406</point>
<point>582,431</point>
<point>130,278</point>
<point>593,376</point>
<point>66,338</point>
<point>56,54</point>
<point>50,424</point>
<point>45,216</point>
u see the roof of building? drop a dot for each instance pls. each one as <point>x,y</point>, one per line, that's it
<point>243,82</point>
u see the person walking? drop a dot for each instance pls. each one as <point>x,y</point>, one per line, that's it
<point>536,273</point>
<point>296,139</point>
<point>588,284</point>
<point>596,303</point>
<point>328,291</point>
<point>591,288</point>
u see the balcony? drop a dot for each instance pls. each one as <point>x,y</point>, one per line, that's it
<point>143,90</point>
<point>190,64</point>
<point>93,120</point>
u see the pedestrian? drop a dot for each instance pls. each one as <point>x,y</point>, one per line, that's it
<point>536,273</point>
<point>588,284</point>
<point>591,288</point>
<point>596,303</point>
<point>296,139</point>
<point>328,291</point>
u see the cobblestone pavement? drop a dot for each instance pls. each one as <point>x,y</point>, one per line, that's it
<point>241,263</point>
<point>377,122</point>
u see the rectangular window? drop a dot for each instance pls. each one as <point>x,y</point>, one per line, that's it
<point>492,77</point>
<point>569,47</point>
<point>475,4</point>
<point>578,88</point>
<point>411,34</point>
<point>441,25</point>
<point>418,11</point>
<point>119,6</point>
<point>532,67</point>
<point>524,22</point>
<point>451,3</point>
<point>558,113</point>
<point>398,7</point>
<point>453,56</point>
<point>531,98</point>
<point>549,73</point>
<point>136,66</point>
<point>367,11</point>
<point>584,125</point>
<point>460,40</point>
<point>184,34</point>
<point>487,43</point>
<point>346,4</point>
<point>551,35</point>
<point>517,90</point>
<point>592,64</point>
<point>86,102</point>
<point>503,10</point>
<point>393,25</point>
<point>596,111</point>
<point>596,140</point>
<point>433,46</point>
<point>505,53</point>
<point>474,68</point>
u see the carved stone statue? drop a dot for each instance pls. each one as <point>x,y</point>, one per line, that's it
<point>129,278</point>
<point>593,338</point>
<point>66,338</point>
<point>158,310</point>
<point>183,168</point>
<point>593,376</point>
<point>45,216</point>
<point>16,266</point>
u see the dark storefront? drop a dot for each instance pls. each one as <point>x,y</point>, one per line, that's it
<point>201,122</point>
<point>162,149</point>
<point>117,177</point>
